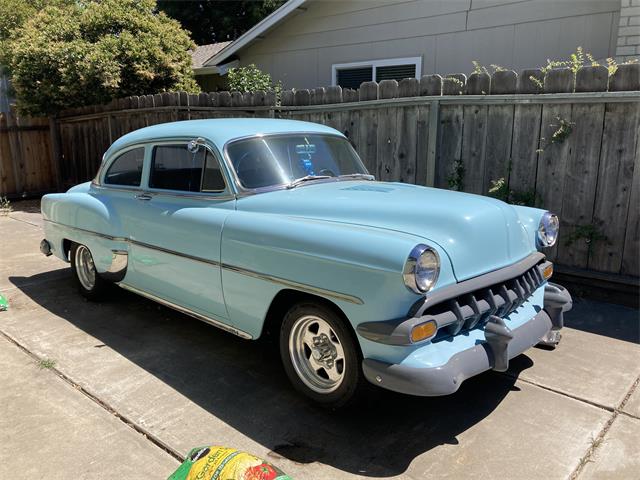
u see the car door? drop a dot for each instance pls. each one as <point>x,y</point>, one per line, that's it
<point>175,228</point>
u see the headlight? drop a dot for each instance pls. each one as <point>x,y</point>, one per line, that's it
<point>548,229</point>
<point>421,269</point>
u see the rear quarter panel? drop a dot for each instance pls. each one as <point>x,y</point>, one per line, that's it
<point>73,215</point>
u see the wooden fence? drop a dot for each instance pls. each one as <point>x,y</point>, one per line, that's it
<point>566,141</point>
<point>26,166</point>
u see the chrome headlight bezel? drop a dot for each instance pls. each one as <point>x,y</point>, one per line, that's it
<point>548,229</point>
<point>411,273</point>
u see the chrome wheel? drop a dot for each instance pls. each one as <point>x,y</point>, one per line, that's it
<point>316,354</point>
<point>85,268</point>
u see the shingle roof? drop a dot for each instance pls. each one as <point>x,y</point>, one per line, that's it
<point>202,53</point>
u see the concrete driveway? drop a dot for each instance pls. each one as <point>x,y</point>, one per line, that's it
<point>123,389</point>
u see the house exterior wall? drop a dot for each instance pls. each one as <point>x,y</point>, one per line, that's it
<point>448,35</point>
<point>628,45</point>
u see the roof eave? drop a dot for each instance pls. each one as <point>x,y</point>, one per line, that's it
<point>257,30</point>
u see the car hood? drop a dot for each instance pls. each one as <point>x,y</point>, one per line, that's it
<point>479,234</point>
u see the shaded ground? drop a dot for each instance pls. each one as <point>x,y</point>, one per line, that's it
<point>144,368</point>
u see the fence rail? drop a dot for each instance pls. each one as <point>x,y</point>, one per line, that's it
<point>565,141</point>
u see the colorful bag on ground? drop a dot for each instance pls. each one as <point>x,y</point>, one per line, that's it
<point>221,463</point>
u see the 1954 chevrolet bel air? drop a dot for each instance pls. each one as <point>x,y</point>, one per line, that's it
<point>261,225</point>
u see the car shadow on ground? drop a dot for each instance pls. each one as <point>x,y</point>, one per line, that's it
<point>242,383</point>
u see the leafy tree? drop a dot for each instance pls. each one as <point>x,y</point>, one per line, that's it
<point>88,52</point>
<point>14,13</point>
<point>211,21</point>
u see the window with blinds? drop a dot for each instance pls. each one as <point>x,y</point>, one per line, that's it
<point>395,72</point>
<point>353,77</point>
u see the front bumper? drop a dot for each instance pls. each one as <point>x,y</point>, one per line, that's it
<point>494,346</point>
<point>446,379</point>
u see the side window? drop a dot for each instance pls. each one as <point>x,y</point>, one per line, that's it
<point>213,181</point>
<point>175,168</point>
<point>126,169</point>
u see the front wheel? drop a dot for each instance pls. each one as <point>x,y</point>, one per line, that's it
<point>320,355</point>
<point>89,283</point>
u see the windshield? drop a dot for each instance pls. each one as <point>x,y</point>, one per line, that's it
<point>281,159</point>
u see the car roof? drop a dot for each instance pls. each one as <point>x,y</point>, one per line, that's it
<point>218,130</point>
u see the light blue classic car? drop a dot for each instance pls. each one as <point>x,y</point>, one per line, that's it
<point>262,226</point>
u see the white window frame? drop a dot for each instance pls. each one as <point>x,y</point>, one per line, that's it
<point>417,61</point>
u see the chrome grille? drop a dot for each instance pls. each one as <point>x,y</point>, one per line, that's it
<point>472,309</point>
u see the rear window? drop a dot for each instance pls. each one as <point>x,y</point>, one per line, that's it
<point>126,169</point>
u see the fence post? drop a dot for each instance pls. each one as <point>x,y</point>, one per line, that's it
<point>54,132</point>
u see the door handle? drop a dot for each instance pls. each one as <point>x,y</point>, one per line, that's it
<point>143,196</point>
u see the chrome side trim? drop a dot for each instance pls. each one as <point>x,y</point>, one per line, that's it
<point>179,308</point>
<point>290,283</point>
<point>252,273</point>
<point>173,252</point>
<point>101,235</point>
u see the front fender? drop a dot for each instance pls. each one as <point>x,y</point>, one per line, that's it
<point>530,218</point>
<point>358,268</point>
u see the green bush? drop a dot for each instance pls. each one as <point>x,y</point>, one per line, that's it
<point>250,79</point>
<point>84,53</point>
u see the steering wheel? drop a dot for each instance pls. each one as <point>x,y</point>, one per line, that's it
<point>327,171</point>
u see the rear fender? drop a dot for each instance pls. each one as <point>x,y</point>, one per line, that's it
<point>80,217</point>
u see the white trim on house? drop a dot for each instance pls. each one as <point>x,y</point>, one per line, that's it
<point>255,32</point>
<point>417,61</point>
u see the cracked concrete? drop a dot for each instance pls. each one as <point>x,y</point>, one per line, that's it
<point>555,414</point>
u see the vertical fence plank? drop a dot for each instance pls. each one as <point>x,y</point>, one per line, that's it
<point>499,131</point>
<point>581,177</point>
<point>368,129</point>
<point>615,176</point>
<point>449,146</point>
<point>405,152</point>
<point>7,178</point>
<point>474,135</point>
<point>430,85</point>
<point>557,124</point>
<point>631,252</point>
<point>387,126</point>
<point>526,137</point>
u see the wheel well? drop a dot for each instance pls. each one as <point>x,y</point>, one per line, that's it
<point>66,248</point>
<point>284,300</point>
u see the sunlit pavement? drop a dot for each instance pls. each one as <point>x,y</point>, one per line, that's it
<point>131,386</point>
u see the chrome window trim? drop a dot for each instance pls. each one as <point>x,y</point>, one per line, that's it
<point>227,194</point>
<point>208,194</point>
<point>233,268</point>
<point>243,191</point>
<point>105,166</point>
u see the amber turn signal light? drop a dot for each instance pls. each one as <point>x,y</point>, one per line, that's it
<point>423,331</point>
<point>548,271</point>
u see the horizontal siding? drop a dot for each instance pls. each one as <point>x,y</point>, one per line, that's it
<point>537,10</point>
<point>447,35</point>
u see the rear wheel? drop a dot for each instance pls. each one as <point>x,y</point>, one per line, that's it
<point>320,355</point>
<point>89,283</point>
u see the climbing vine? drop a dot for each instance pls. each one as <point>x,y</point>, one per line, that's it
<point>456,179</point>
